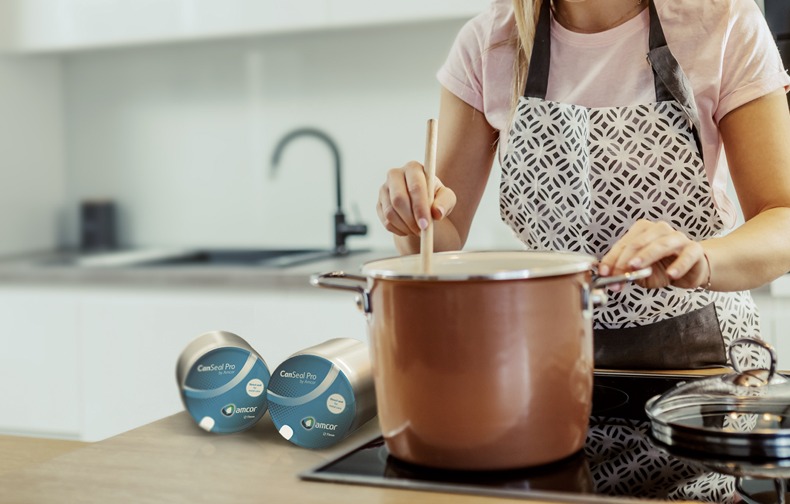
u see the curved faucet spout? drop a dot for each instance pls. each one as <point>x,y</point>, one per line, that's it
<point>342,228</point>
<point>278,150</point>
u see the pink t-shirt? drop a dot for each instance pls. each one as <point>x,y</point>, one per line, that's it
<point>724,47</point>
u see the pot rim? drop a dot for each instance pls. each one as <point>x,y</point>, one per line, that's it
<point>490,264</point>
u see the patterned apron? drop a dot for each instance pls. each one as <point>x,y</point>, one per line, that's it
<point>575,179</point>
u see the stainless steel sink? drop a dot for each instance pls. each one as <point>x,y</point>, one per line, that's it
<point>266,258</point>
<point>270,258</point>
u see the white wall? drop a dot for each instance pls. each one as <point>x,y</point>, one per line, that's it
<point>31,154</point>
<point>181,135</point>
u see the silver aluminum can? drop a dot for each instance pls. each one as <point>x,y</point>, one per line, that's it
<point>223,382</point>
<point>320,395</point>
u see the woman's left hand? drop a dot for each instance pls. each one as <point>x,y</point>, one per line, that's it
<point>676,259</point>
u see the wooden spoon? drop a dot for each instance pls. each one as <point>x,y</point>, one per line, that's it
<point>426,236</point>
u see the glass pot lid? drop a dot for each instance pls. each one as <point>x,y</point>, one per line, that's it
<point>743,415</point>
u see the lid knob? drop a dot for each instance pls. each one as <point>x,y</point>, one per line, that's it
<point>753,377</point>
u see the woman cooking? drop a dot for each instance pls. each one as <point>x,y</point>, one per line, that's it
<point>617,125</point>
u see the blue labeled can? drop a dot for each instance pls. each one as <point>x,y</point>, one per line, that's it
<point>223,382</point>
<point>320,395</point>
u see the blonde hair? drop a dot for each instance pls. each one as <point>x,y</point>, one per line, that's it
<point>526,14</point>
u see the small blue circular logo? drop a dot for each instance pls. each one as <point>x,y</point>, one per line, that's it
<point>229,409</point>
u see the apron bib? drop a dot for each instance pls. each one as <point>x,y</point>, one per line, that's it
<point>576,179</point>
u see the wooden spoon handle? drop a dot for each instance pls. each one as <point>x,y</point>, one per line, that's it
<point>426,236</point>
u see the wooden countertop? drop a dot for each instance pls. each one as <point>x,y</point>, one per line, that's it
<point>19,452</point>
<point>173,461</point>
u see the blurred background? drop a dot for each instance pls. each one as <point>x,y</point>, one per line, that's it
<point>172,108</point>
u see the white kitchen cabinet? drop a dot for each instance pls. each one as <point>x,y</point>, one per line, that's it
<point>89,363</point>
<point>28,26</point>
<point>774,305</point>
<point>40,362</point>
<point>357,12</point>
<point>131,342</point>
<point>294,320</point>
<point>781,336</point>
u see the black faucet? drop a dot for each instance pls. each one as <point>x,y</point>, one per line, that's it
<point>342,229</point>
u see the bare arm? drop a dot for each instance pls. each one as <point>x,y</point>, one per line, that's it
<point>757,141</point>
<point>466,149</point>
<point>756,138</point>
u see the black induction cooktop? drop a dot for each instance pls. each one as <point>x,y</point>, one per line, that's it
<point>586,477</point>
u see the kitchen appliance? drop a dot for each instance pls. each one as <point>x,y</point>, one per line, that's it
<point>582,477</point>
<point>97,226</point>
<point>504,339</point>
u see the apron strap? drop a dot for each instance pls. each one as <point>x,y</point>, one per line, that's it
<point>658,44</point>
<point>539,63</point>
<point>670,81</point>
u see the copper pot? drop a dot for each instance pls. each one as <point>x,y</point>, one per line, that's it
<point>486,363</point>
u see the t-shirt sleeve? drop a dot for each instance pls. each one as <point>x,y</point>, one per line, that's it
<point>462,72</point>
<point>752,66</point>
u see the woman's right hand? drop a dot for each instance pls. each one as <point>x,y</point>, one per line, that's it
<point>403,205</point>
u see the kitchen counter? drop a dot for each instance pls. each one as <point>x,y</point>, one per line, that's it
<point>58,268</point>
<point>20,452</point>
<point>172,460</point>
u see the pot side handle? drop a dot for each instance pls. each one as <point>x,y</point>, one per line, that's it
<point>631,276</point>
<point>340,280</point>
<point>597,297</point>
